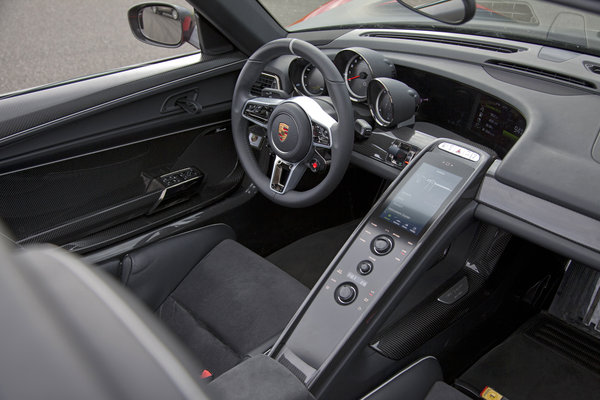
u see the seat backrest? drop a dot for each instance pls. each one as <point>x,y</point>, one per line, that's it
<point>68,332</point>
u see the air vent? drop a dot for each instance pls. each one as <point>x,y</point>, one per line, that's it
<point>446,40</point>
<point>595,68</point>
<point>264,81</point>
<point>543,73</point>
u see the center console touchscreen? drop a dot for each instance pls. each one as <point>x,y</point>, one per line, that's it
<point>413,205</point>
<point>420,198</point>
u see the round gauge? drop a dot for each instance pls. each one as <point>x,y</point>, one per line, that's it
<point>357,75</point>
<point>384,108</point>
<point>391,101</point>
<point>312,81</point>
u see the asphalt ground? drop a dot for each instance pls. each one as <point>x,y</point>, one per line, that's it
<point>46,41</point>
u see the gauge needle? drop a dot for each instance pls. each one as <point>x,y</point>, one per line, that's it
<point>362,75</point>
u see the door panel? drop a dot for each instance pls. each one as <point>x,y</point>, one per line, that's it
<point>71,199</point>
<point>122,165</point>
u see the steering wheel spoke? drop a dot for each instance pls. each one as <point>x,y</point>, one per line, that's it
<point>258,110</point>
<point>285,175</point>
<point>321,122</point>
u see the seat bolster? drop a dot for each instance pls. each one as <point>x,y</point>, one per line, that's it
<point>154,271</point>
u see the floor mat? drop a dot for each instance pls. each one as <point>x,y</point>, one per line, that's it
<point>547,359</point>
<point>307,258</point>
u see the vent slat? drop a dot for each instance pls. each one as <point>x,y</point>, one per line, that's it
<point>543,73</point>
<point>445,40</point>
<point>264,81</point>
<point>595,68</point>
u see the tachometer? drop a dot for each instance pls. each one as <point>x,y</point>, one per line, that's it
<point>357,75</point>
<point>312,81</point>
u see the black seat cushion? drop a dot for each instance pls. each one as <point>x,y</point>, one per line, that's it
<point>230,302</point>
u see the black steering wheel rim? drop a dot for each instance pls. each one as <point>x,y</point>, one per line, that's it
<point>341,131</point>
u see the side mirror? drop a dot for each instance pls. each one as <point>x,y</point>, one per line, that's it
<point>163,25</point>
<point>453,12</point>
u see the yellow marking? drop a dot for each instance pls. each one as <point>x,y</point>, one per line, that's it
<point>490,394</point>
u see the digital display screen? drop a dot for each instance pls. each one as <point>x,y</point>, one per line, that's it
<point>497,123</point>
<point>470,113</point>
<point>420,198</point>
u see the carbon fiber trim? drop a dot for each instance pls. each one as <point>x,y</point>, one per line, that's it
<point>432,316</point>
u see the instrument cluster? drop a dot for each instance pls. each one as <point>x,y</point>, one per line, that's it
<point>358,66</point>
<point>395,94</point>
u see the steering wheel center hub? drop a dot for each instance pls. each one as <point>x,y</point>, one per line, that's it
<point>290,133</point>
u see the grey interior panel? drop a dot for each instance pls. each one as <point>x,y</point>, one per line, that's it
<point>538,160</point>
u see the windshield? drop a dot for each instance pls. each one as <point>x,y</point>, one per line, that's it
<point>533,21</point>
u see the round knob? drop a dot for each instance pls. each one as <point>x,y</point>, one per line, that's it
<point>382,245</point>
<point>365,267</point>
<point>346,293</point>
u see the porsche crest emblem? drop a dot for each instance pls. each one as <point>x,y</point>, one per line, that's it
<point>283,131</point>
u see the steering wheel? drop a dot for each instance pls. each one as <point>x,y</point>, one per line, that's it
<point>295,127</point>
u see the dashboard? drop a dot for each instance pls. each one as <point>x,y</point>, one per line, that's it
<point>392,98</point>
<point>534,106</point>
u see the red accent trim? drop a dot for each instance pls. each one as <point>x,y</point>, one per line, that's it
<point>205,374</point>
<point>483,391</point>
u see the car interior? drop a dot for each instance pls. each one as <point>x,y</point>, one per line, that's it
<point>357,212</point>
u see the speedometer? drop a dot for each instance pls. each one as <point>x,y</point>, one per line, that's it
<point>357,75</point>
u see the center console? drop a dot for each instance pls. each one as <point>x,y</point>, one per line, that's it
<point>380,260</point>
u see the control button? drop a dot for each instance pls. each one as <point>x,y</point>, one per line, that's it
<point>459,151</point>
<point>320,135</point>
<point>317,164</point>
<point>382,245</point>
<point>365,267</point>
<point>397,152</point>
<point>346,293</point>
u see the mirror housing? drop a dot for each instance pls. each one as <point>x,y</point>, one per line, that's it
<point>454,12</point>
<point>163,25</point>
